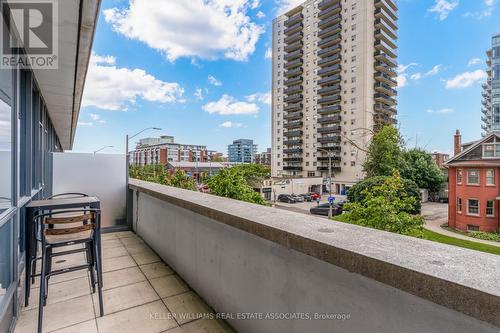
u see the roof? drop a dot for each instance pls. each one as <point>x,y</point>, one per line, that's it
<point>456,159</point>
<point>200,165</point>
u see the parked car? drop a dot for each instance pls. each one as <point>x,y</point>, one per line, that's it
<point>298,198</point>
<point>323,209</point>
<point>286,198</point>
<point>306,196</point>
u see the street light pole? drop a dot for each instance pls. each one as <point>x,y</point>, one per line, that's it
<point>102,148</point>
<point>330,209</point>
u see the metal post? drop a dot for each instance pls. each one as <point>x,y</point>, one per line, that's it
<point>330,209</point>
<point>127,195</point>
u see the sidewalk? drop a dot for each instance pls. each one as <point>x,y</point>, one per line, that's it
<point>436,214</point>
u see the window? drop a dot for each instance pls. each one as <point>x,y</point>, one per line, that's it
<point>490,208</point>
<point>459,205</point>
<point>473,207</point>
<point>5,139</point>
<point>490,177</point>
<point>459,176</point>
<point>472,177</point>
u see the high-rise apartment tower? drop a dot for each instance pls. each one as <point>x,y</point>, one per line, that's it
<point>334,83</point>
<point>491,89</point>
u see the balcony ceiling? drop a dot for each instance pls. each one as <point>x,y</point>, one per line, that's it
<point>62,88</point>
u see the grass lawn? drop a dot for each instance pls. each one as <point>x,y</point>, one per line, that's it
<point>434,236</point>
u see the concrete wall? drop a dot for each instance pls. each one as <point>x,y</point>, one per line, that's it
<point>100,175</point>
<point>237,271</point>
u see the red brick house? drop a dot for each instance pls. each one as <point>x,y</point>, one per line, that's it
<point>474,178</point>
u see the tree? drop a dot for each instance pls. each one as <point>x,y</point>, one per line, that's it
<point>420,168</point>
<point>385,206</point>
<point>238,182</point>
<point>385,153</point>
<point>358,192</point>
<point>180,179</point>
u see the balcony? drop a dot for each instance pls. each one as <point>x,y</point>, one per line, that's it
<point>293,133</point>
<point>293,38</point>
<point>386,16</point>
<point>384,109</point>
<point>330,109</point>
<point>292,168</point>
<point>382,35</point>
<point>293,29</point>
<point>384,68</point>
<point>330,31</point>
<point>329,139</point>
<point>293,64</point>
<point>325,168</point>
<point>380,45</point>
<point>293,98</point>
<point>335,159</point>
<point>329,41</point>
<point>294,19</point>
<point>293,81</point>
<point>293,124</point>
<point>327,3</point>
<point>334,89</point>
<point>294,72</point>
<point>385,99</point>
<point>293,115</point>
<point>292,159</point>
<point>385,89</point>
<point>384,78</point>
<point>323,24</point>
<point>293,107</point>
<point>329,100</point>
<point>294,89</point>
<point>327,71</point>
<point>385,58</point>
<point>330,80</point>
<point>292,151</point>
<point>335,59</point>
<point>294,55</point>
<point>329,119</point>
<point>294,142</point>
<point>329,129</point>
<point>294,46</point>
<point>329,51</point>
<point>380,24</point>
<point>332,10</point>
<point>388,5</point>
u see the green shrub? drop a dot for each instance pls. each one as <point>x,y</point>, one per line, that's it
<point>490,236</point>
<point>357,193</point>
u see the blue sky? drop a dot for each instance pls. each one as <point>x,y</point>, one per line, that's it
<point>199,70</point>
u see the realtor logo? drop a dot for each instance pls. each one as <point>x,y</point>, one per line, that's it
<point>29,34</point>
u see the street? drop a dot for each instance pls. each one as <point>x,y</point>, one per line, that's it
<point>303,207</point>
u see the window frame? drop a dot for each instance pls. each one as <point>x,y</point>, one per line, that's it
<point>493,177</point>
<point>459,205</point>
<point>492,208</point>
<point>478,207</point>
<point>460,176</point>
<point>478,177</point>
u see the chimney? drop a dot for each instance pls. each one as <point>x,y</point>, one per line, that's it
<point>458,142</point>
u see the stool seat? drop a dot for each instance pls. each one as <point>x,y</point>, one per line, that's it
<point>80,236</point>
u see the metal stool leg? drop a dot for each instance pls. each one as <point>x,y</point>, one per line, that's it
<point>98,263</point>
<point>41,303</point>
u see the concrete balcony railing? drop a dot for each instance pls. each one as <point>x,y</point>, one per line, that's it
<point>245,258</point>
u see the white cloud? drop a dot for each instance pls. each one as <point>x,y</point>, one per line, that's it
<point>97,118</point>
<point>260,14</point>
<point>269,53</point>
<point>198,93</point>
<point>435,70</point>
<point>255,4</point>
<point>486,12</point>
<point>228,105</point>
<point>403,68</point>
<point>402,80</point>
<point>466,79</point>
<point>195,28</point>
<point>286,5</point>
<point>474,61</point>
<point>85,123</point>
<point>213,81</point>
<point>264,98</point>
<point>230,124</point>
<point>443,8</point>
<point>416,76</point>
<point>113,88</point>
<point>441,111</point>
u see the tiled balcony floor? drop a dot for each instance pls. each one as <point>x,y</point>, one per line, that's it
<point>141,294</point>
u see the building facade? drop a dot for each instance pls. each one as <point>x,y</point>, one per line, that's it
<point>264,158</point>
<point>39,110</point>
<point>474,178</point>
<point>242,151</point>
<point>334,83</point>
<point>491,89</point>
<point>164,149</point>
